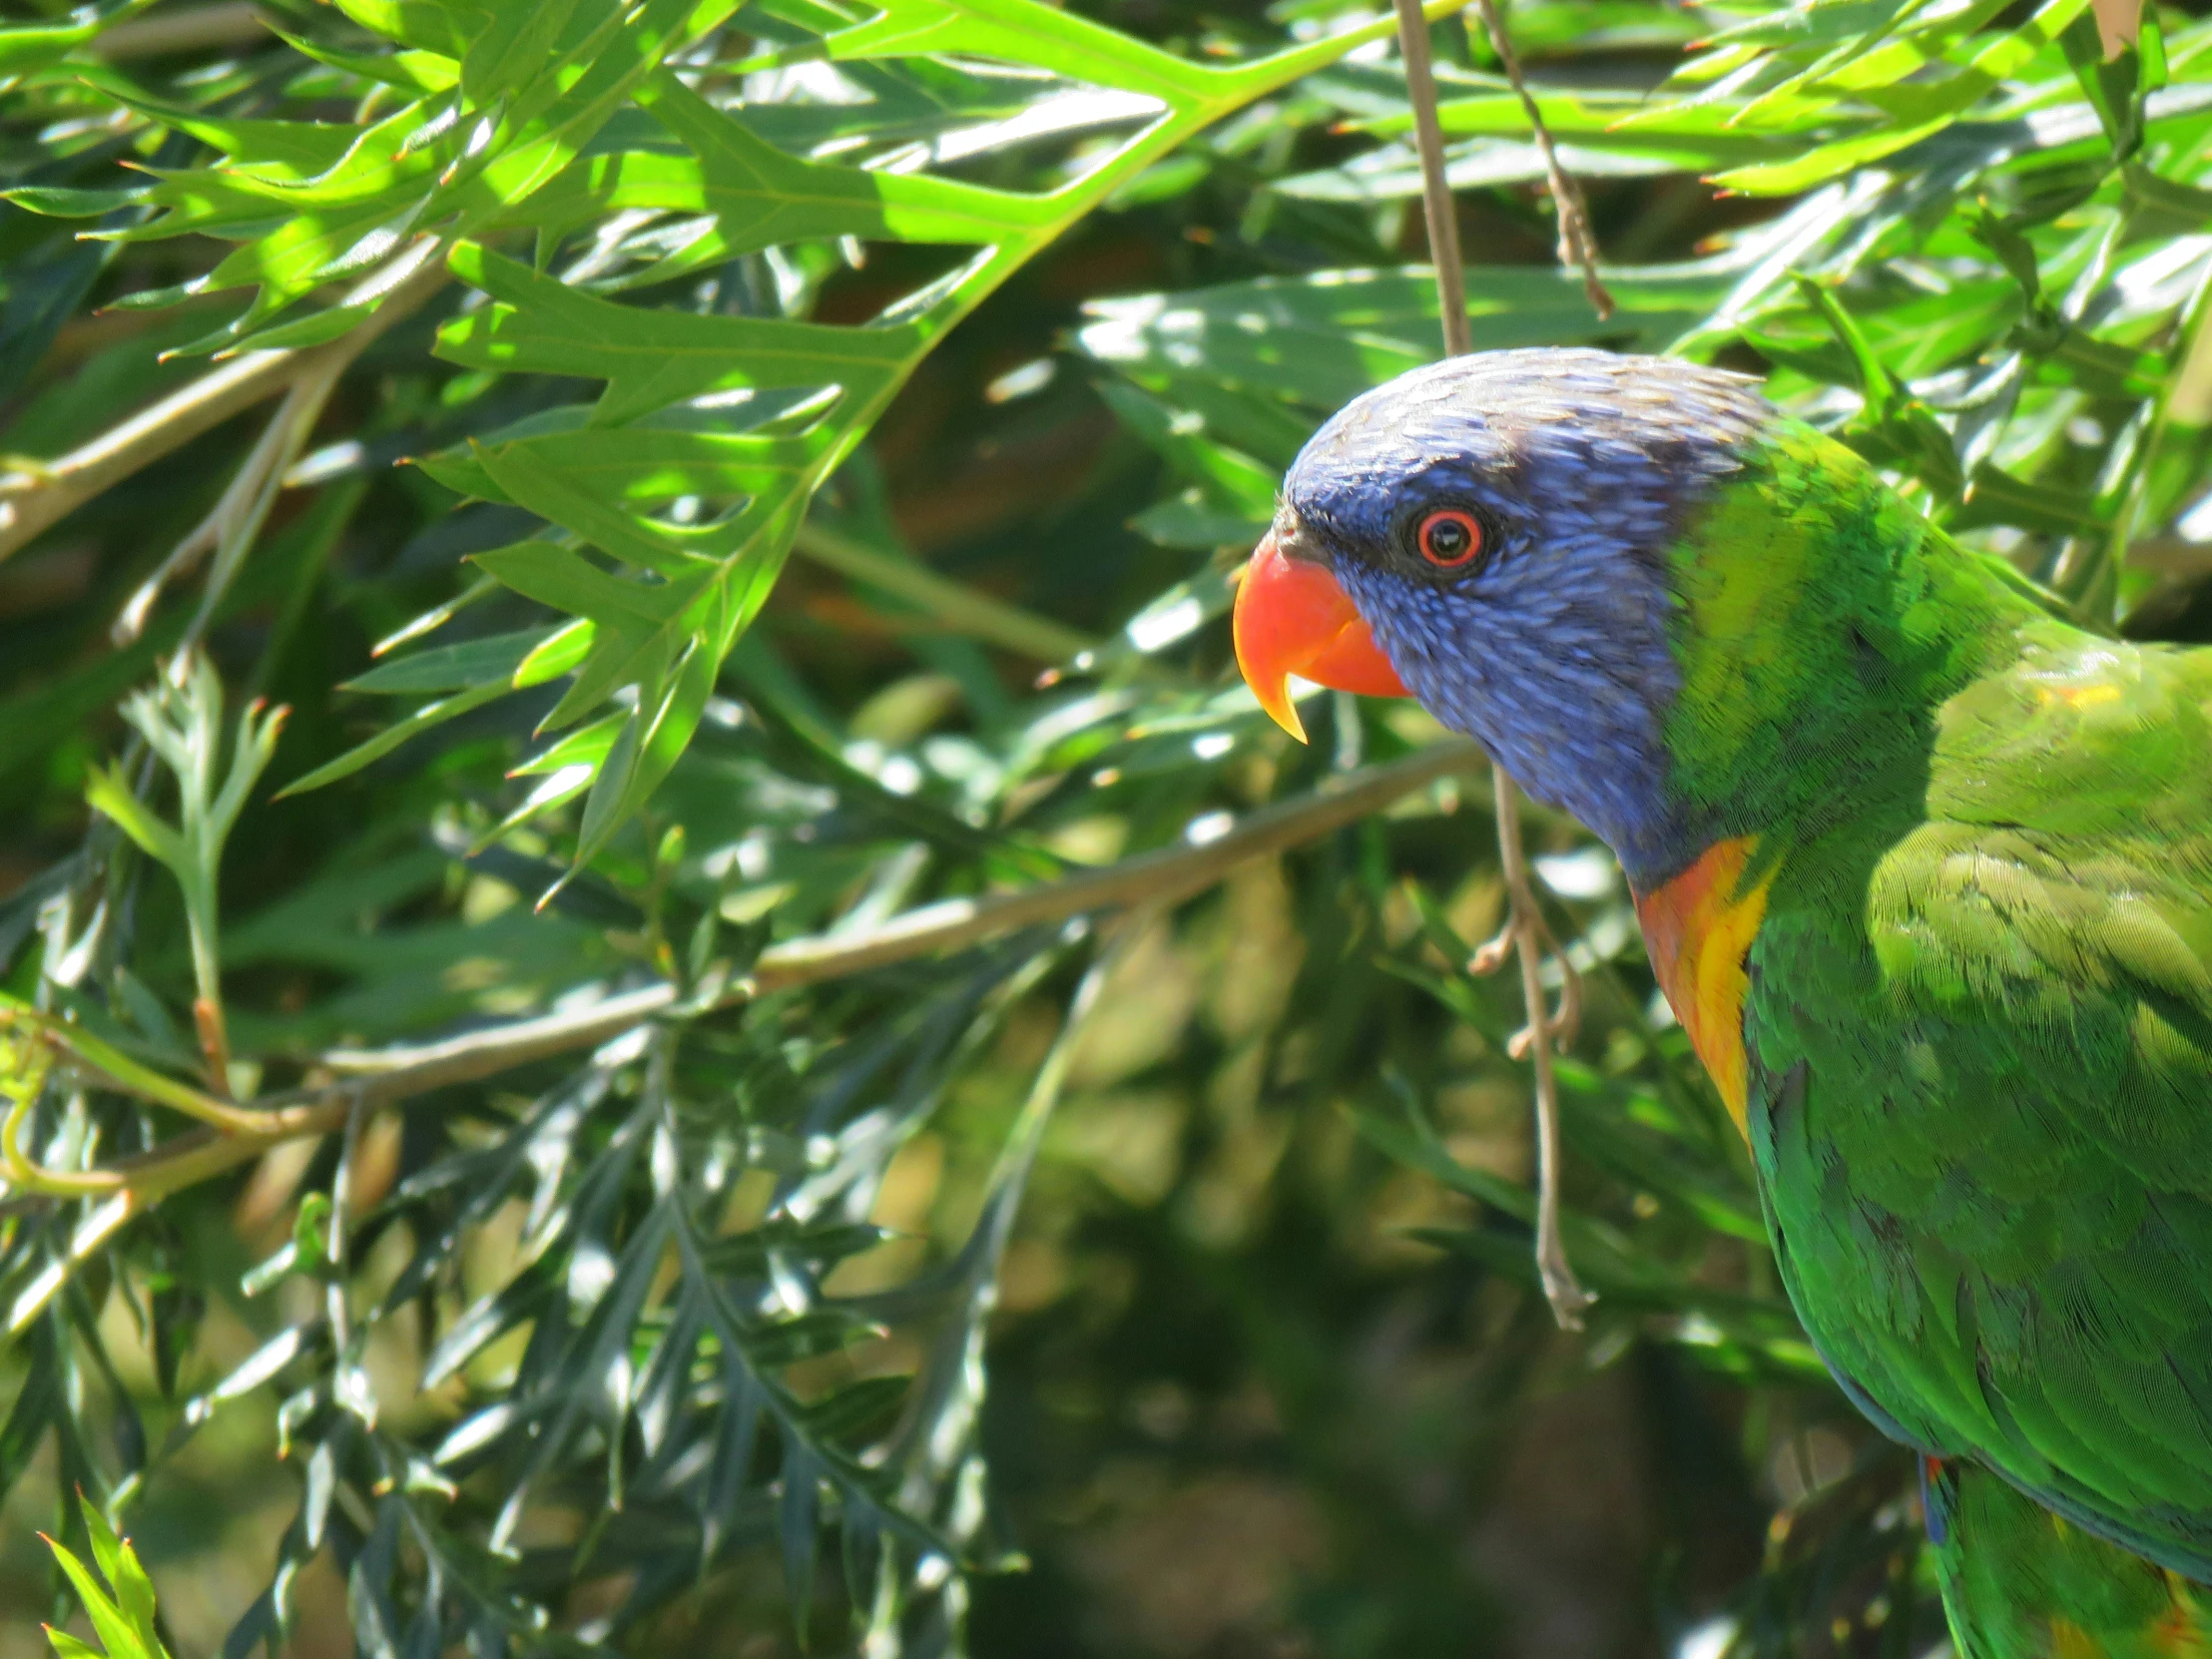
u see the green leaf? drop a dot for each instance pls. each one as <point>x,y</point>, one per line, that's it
<point>1813,23</point>
<point>423,24</point>
<point>134,1591</point>
<point>26,49</point>
<point>1320,340</point>
<point>62,202</point>
<point>1232,478</point>
<point>529,481</point>
<point>268,151</point>
<point>454,668</point>
<point>1994,496</point>
<point>109,792</point>
<point>567,581</point>
<point>1892,425</point>
<point>649,464</point>
<point>760,197</point>
<point>651,358</point>
<point>117,1634</point>
<point>412,71</point>
<point>1916,112</point>
<point>516,46</point>
<point>1025,32</point>
<point>384,742</point>
<point>561,651</point>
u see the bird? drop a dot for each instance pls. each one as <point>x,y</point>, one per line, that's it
<point>1924,868</point>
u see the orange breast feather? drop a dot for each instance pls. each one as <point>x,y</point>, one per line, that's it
<point>1699,927</point>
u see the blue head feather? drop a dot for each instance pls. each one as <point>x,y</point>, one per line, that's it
<point>1553,649</point>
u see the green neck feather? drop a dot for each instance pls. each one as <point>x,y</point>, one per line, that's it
<point>1820,624</point>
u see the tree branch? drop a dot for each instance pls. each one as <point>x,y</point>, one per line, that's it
<point>380,1076</point>
<point>32,501</point>
<point>1577,243</point>
<point>1525,924</point>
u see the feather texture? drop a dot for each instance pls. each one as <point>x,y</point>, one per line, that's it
<point>1928,874</point>
<point>1980,1025</point>
<point>2022,1583</point>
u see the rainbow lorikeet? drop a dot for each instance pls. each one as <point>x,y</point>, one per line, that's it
<point>1926,871</point>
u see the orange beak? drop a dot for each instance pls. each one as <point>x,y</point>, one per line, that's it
<point>1293,617</point>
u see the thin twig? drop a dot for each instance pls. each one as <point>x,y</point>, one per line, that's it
<point>30,501</point>
<point>378,1076</point>
<point>1435,196</point>
<point>234,521</point>
<point>1578,244</point>
<point>1525,926</point>
<point>1561,1288</point>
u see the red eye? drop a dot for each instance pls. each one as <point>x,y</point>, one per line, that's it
<point>1449,538</point>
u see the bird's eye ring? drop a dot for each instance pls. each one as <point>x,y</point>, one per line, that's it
<point>1449,538</point>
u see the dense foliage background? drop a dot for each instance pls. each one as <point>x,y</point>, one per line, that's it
<point>770,1053</point>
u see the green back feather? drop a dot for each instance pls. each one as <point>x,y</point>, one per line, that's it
<point>1979,1021</point>
<point>2020,1582</point>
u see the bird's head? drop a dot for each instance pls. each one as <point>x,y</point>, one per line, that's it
<point>1499,536</point>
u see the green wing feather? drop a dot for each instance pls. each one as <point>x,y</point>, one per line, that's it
<point>2022,1583</point>
<point>1981,1025</point>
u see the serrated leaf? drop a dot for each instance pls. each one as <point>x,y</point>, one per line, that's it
<point>587,745</point>
<point>645,749</point>
<point>1915,111</point>
<point>651,358</point>
<point>646,464</point>
<point>515,45</point>
<point>618,656</point>
<point>1028,34</point>
<point>483,1322</point>
<point>566,580</point>
<point>553,494</point>
<point>760,197</point>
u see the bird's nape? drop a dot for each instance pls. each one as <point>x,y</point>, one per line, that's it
<point>1293,617</point>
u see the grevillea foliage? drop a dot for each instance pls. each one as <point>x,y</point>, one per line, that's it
<point>661,993</point>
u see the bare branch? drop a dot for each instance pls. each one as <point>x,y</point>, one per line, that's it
<point>1561,1288</point>
<point>1578,244</point>
<point>382,1075</point>
<point>1435,194</point>
<point>1525,924</point>
<point>235,519</point>
<point>31,501</point>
